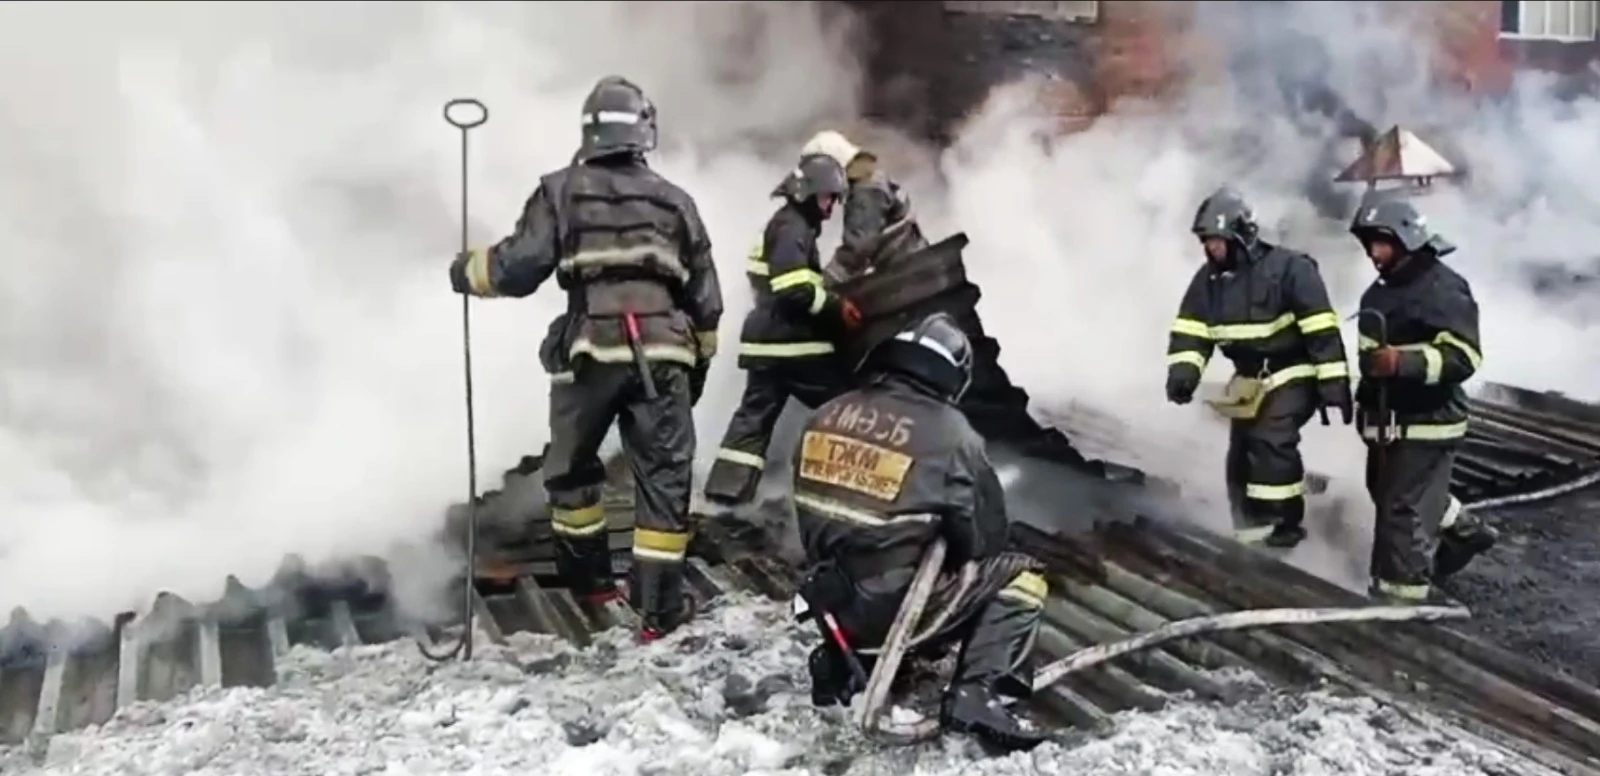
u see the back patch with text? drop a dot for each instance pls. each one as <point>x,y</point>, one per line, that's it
<point>853,465</point>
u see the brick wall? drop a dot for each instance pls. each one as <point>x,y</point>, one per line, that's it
<point>933,64</point>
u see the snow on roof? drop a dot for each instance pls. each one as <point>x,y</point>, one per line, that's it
<point>1395,155</point>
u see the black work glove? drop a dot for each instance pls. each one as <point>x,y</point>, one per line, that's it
<point>1336,394</point>
<point>1182,382</point>
<point>458,273</point>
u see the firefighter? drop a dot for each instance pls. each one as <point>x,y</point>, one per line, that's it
<point>1266,308</point>
<point>787,344</point>
<point>878,223</point>
<point>883,471</point>
<point>643,302</point>
<point>1418,344</point>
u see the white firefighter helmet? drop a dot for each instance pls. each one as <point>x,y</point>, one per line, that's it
<point>834,144</point>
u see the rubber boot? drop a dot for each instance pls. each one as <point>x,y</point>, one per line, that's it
<point>1434,596</point>
<point>657,593</point>
<point>988,668</point>
<point>1459,544</point>
<point>584,565</point>
<point>1285,536</point>
<point>832,682</point>
<point>979,711</point>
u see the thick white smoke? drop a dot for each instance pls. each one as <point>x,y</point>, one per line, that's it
<point>229,335</point>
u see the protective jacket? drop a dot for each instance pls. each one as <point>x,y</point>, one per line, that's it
<point>883,471</point>
<point>794,314</point>
<point>878,225</point>
<point>1271,317</point>
<point>1432,319</point>
<point>620,240</point>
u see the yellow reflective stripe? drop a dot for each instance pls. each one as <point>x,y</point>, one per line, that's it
<point>583,521</point>
<point>1253,535</point>
<point>1332,370</point>
<point>835,509</point>
<point>668,546</point>
<point>819,298</point>
<point>785,349</point>
<point>1363,342</point>
<point>1451,513</point>
<point>477,272</point>
<point>1191,327</point>
<point>1311,324</point>
<point>622,354</point>
<point>1434,361</point>
<point>665,259</point>
<point>562,378</point>
<point>741,458</point>
<point>1028,588</point>
<point>758,267</point>
<point>707,340</point>
<point>1473,356</point>
<point>1274,492</point>
<point>1252,331</point>
<point>1430,432</point>
<point>1287,375</point>
<point>796,277</point>
<point>1194,357</point>
<point>1404,591</point>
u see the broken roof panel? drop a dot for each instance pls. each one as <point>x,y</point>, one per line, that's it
<point>1397,155</point>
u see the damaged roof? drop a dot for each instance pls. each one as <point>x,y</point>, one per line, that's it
<point>1397,154</point>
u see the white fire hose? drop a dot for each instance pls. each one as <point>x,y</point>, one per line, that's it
<point>871,712</point>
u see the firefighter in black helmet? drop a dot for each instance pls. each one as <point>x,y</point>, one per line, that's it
<point>787,344</point>
<point>1267,309</point>
<point>643,302</point>
<point>883,471</point>
<point>1419,345</point>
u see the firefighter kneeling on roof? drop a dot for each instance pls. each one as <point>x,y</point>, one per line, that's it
<point>881,473</point>
<point>1267,309</point>
<point>1418,344</point>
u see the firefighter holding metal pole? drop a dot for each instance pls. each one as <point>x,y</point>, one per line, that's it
<point>643,303</point>
<point>1267,309</point>
<point>1418,345</point>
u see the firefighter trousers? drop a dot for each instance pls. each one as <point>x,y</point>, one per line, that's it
<point>658,440</point>
<point>742,457</point>
<point>1409,482</point>
<point>1264,472</point>
<point>989,609</point>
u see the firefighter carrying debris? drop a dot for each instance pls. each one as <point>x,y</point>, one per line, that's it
<point>878,223</point>
<point>787,345</point>
<point>1267,309</point>
<point>643,303</point>
<point>882,472</point>
<point>1418,345</point>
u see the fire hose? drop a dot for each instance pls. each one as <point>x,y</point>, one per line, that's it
<point>870,716</point>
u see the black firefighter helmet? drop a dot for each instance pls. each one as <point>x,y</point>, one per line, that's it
<point>1225,214</point>
<point>815,176</point>
<point>1394,218</point>
<point>933,352</point>
<point>617,119</point>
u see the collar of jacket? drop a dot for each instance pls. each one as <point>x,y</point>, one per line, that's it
<point>1410,267</point>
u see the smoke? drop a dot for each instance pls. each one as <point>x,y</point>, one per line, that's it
<point>226,225</point>
<point>1081,243</point>
<point>229,334</point>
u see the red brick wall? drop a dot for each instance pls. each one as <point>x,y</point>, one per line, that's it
<point>933,66</point>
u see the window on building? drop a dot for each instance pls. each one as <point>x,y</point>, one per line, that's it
<point>1549,19</point>
<point>1063,10</point>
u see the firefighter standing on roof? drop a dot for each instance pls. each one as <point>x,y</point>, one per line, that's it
<point>881,473</point>
<point>878,223</point>
<point>1267,309</point>
<point>1418,344</point>
<point>629,249</point>
<point>787,345</point>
